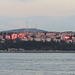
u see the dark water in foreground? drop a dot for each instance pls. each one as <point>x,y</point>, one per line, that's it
<point>37,63</point>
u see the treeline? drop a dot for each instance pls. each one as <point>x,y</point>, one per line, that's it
<point>34,45</point>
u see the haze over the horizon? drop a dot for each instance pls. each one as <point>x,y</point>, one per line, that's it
<point>51,15</point>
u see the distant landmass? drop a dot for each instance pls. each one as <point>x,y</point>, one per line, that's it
<point>25,29</point>
<point>18,40</point>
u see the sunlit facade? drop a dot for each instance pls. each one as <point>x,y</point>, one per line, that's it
<point>21,36</point>
<point>8,37</point>
<point>14,36</point>
<point>66,37</point>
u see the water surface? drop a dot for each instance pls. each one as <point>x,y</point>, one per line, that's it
<point>37,64</point>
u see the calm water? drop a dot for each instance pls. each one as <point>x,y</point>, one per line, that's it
<point>37,64</point>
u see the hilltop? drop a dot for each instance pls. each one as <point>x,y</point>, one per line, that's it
<point>25,29</point>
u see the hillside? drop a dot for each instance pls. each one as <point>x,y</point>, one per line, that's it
<point>25,29</point>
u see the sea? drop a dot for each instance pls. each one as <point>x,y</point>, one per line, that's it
<point>37,63</point>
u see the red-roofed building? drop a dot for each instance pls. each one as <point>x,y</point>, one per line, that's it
<point>21,35</point>
<point>14,36</point>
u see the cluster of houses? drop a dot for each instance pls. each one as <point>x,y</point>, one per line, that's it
<point>39,36</point>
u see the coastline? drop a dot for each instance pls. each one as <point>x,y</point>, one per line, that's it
<point>37,51</point>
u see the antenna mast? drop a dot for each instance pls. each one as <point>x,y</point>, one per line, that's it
<point>26,26</point>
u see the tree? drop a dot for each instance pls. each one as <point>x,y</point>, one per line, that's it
<point>33,36</point>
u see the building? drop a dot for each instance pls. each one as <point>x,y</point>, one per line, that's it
<point>1,37</point>
<point>48,39</point>
<point>7,37</point>
<point>21,36</point>
<point>37,39</point>
<point>14,36</point>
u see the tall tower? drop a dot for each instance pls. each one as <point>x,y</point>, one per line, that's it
<point>26,26</point>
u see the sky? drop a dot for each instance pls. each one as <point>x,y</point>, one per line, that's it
<point>50,15</point>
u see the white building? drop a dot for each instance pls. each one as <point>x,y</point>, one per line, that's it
<point>48,39</point>
<point>37,39</point>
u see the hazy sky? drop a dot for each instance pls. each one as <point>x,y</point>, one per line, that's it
<point>51,15</point>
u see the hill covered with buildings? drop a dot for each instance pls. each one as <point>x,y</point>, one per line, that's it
<point>35,39</point>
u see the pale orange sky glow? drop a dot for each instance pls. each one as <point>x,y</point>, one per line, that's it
<point>15,8</point>
<point>52,15</point>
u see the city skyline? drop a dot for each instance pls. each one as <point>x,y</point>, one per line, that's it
<point>48,15</point>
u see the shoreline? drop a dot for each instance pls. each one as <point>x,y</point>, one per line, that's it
<point>38,51</point>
